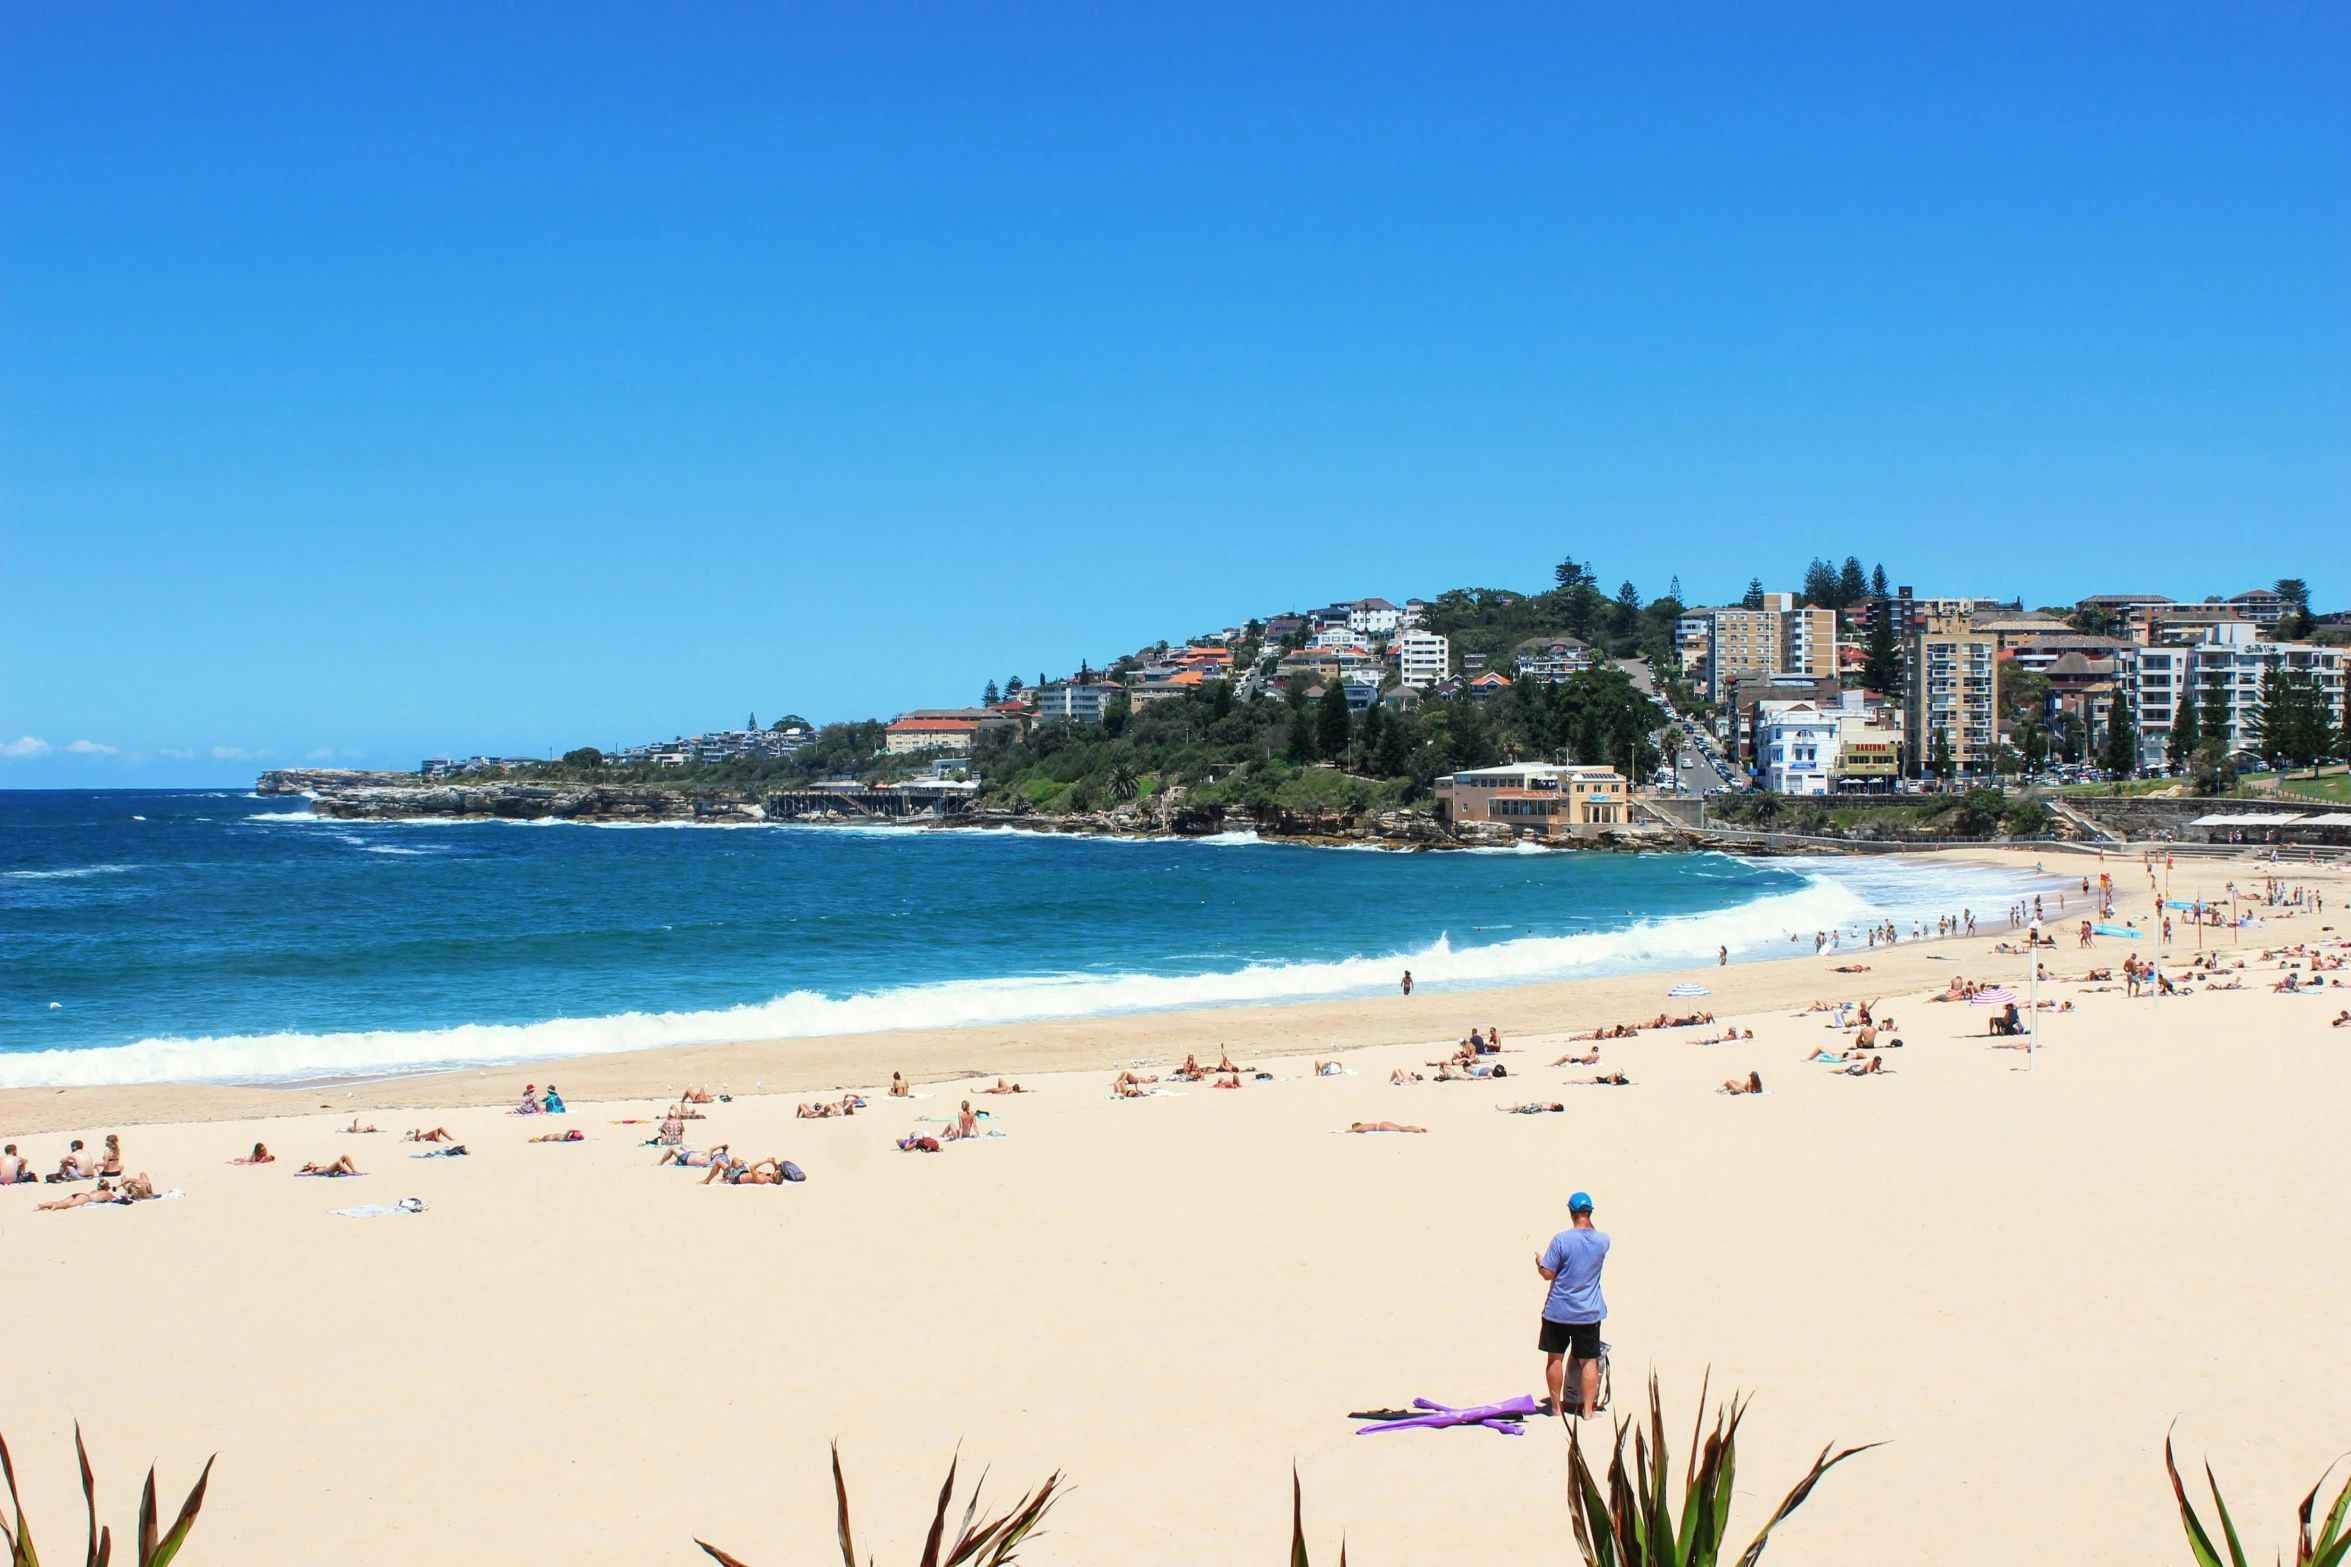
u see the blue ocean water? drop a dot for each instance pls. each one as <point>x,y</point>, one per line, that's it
<point>177,936</point>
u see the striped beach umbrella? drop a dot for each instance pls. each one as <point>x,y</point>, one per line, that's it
<point>1688,990</point>
<point>1997,996</point>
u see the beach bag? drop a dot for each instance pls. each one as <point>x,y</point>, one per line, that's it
<point>1571,1393</point>
<point>793,1172</point>
<point>1500,1070</point>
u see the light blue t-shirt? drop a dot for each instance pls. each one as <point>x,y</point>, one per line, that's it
<point>1574,1257</point>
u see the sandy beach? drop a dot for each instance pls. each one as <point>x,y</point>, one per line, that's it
<point>2016,1278</point>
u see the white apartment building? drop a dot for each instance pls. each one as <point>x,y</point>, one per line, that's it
<point>2225,673</point>
<point>1422,658</point>
<point>1067,699</point>
<point>1552,659</point>
<point>1338,637</point>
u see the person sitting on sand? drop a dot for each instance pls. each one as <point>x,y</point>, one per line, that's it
<point>530,1100</point>
<point>673,1130</point>
<point>110,1160</point>
<point>259,1155</point>
<point>439,1134</point>
<point>79,1164</point>
<point>102,1192</point>
<point>1384,1126</point>
<point>1002,1087</point>
<point>342,1166</point>
<point>1753,1084</point>
<point>899,1087</point>
<point>13,1169</point>
<point>2290,985</point>
<point>1191,1071</point>
<point>552,1102</point>
<point>1493,1040</point>
<point>1329,1069</point>
<point>1400,1077</point>
<point>575,1135</point>
<point>1590,1058</point>
<point>967,1124</point>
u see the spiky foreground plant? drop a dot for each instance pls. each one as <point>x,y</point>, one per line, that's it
<point>988,1544</point>
<point>1298,1526</point>
<point>1632,1524</point>
<point>2328,1550</point>
<point>155,1550</point>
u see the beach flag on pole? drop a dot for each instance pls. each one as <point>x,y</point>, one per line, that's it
<point>1996,996</point>
<point>1687,990</point>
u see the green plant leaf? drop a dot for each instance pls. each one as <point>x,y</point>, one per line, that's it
<point>1297,1521</point>
<point>930,1546</point>
<point>177,1535</point>
<point>2198,1541</point>
<point>2228,1526</point>
<point>2330,1547</point>
<point>841,1499</point>
<point>1795,1498</point>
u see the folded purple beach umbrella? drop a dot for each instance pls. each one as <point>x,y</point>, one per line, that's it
<point>1494,1417</point>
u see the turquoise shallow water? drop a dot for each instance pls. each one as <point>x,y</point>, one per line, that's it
<point>218,936</point>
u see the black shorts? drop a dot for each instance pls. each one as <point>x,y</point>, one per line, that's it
<point>1581,1340</point>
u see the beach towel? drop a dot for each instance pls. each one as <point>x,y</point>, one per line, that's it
<point>371,1210</point>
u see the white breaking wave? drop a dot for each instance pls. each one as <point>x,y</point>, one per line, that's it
<point>74,874</point>
<point>1837,895</point>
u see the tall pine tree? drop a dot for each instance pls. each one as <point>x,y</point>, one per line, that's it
<point>2185,735</point>
<point>1883,671</point>
<point>1332,722</point>
<point>1852,583</point>
<point>2121,756</point>
<point>1877,582</point>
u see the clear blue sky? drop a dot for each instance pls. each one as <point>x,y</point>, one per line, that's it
<point>388,380</point>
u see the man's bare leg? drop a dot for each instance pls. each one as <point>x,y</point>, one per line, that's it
<point>1555,1374</point>
<point>1591,1388</point>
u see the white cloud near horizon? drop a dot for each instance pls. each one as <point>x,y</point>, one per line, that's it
<point>231,753</point>
<point>92,748</point>
<point>25,745</point>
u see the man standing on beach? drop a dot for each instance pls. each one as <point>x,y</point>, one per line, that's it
<point>1573,1311</point>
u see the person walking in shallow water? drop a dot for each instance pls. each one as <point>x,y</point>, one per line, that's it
<point>1408,982</point>
<point>1574,1309</point>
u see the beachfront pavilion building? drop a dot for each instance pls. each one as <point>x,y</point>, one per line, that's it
<point>1540,799</point>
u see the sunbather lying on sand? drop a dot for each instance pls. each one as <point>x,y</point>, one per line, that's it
<point>439,1134</point>
<point>1224,1062</point>
<point>817,1110</point>
<point>575,1135</point>
<point>259,1155</point>
<point>1607,1080</point>
<point>692,1158</point>
<point>1530,1108</point>
<point>1230,1080</point>
<point>104,1191</point>
<point>1002,1087</point>
<point>342,1166</point>
<point>1850,968</point>
<point>1752,1085</point>
<point>1400,1077</point>
<point>1384,1126</point>
<point>1687,1020</point>
<point>1329,1069</point>
<point>913,1142</point>
<point>697,1096</point>
<point>1864,1069</point>
<point>356,1127</point>
<point>1613,1031</point>
<point>1590,1058</point>
<point>2342,1019</point>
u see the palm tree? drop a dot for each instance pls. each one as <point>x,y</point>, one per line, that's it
<point>1123,783</point>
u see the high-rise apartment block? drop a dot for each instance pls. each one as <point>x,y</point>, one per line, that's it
<point>1954,694</point>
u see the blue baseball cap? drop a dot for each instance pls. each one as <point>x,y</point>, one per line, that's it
<point>1581,1202</point>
